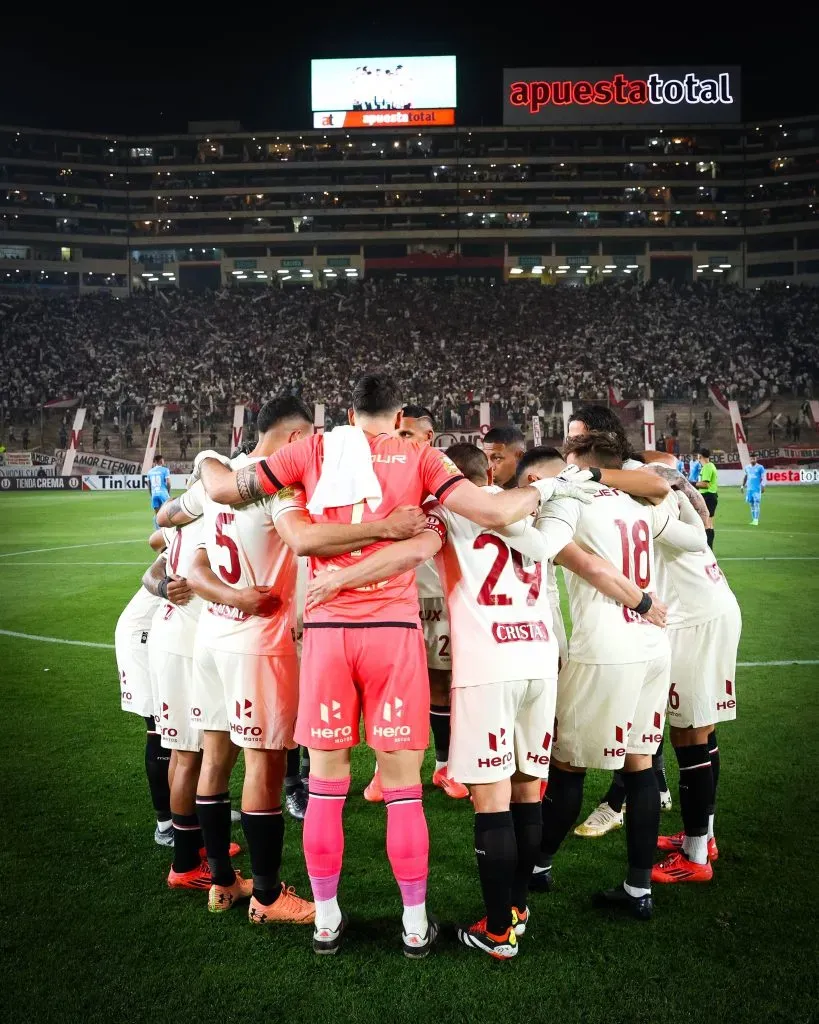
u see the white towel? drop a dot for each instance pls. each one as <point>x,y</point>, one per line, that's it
<point>347,475</point>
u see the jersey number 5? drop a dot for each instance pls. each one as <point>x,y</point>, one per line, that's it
<point>487,595</point>
<point>232,572</point>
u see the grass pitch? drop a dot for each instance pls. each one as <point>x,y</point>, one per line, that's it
<point>90,933</point>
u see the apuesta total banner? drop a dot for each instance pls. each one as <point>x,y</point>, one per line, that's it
<point>621,95</point>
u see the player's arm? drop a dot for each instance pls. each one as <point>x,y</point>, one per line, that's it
<point>206,584</point>
<point>304,537</point>
<point>744,480</point>
<point>256,481</point>
<point>157,541</point>
<point>763,479</point>
<point>526,539</point>
<point>384,564</point>
<point>679,483</point>
<point>184,509</point>
<point>172,588</point>
<point>603,576</point>
<point>639,484</point>
<point>684,534</point>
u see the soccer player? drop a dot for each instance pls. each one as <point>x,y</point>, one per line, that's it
<point>694,469</point>
<point>753,484</point>
<point>612,692</point>
<point>504,447</point>
<point>364,651</point>
<point>417,424</point>
<point>504,678</point>
<point>131,645</point>
<point>708,483</point>
<point>704,627</point>
<point>159,481</point>
<point>245,666</point>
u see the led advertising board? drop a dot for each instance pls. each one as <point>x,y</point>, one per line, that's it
<point>388,92</point>
<point>621,95</point>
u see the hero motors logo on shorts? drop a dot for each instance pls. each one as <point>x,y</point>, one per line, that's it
<point>125,695</point>
<point>520,632</point>
<point>657,735</point>
<point>497,741</point>
<point>244,709</point>
<point>393,711</point>
<point>329,713</point>
<point>167,731</point>
<point>729,702</point>
<point>541,759</point>
<point>620,735</point>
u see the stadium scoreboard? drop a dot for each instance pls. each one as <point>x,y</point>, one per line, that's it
<point>621,95</point>
<point>383,92</point>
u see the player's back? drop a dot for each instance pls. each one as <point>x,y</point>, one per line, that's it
<point>244,550</point>
<point>407,472</point>
<point>618,529</point>
<point>498,604</point>
<point>689,582</point>
<point>158,479</point>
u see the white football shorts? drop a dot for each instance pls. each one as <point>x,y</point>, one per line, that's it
<point>606,711</point>
<point>703,672</point>
<point>435,624</point>
<point>254,697</point>
<point>135,694</point>
<point>498,728</point>
<point>172,682</point>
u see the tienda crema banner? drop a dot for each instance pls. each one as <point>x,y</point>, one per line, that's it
<point>620,95</point>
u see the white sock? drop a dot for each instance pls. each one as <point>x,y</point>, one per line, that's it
<point>695,849</point>
<point>414,919</point>
<point>536,870</point>
<point>632,890</point>
<point>328,914</point>
<point>440,764</point>
<point>165,826</point>
<point>710,826</point>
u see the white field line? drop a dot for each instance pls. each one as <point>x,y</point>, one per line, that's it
<point>73,547</point>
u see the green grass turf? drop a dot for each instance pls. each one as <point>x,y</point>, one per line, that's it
<point>91,933</point>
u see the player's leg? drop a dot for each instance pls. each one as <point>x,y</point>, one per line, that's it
<point>188,870</point>
<point>156,505</point>
<point>157,761</point>
<point>690,863</point>
<point>391,662</point>
<point>294,790</point>
<point>711,504</point>
<point>440,682</point>
<point>756,501</point>
<point>327,723</point>
<point>713,753</point>
<point>658,764</point>
<point>212,794</point>
<point>646,714</point>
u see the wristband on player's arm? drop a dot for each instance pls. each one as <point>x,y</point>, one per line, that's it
<point>644,605</point>
<point>163,586</point>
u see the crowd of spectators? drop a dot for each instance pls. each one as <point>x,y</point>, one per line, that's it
<point>522,347</point>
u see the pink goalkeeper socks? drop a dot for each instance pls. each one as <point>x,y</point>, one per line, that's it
<point>408,843</point>
<point>324,834</point>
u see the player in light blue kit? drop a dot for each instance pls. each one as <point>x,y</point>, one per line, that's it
<point>694,469</point>
<point>159,481</point>
<point>753,483</point>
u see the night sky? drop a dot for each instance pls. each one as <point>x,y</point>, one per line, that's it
<point>135,69</point>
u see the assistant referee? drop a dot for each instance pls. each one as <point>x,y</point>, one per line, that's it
<point>708,483</point>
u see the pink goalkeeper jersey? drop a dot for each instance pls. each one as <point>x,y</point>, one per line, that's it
<point>408,473</point>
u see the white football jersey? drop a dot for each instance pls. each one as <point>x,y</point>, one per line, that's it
<point>614,527</point>
<point>174,626</point>
<point>497,600</point>
<point>690,583</point>
<point>244,550</point>
<point>428,581</point>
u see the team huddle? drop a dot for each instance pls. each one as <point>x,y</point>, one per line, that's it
<point>318,581</point>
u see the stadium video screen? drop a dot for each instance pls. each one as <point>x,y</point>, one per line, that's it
<point>389,92</point>
<point>621,95</point>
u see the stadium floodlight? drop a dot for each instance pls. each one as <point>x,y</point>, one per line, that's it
<point>580,270</point>
<point>725,266</point>
<point>585,266</point>
<point>626,270</point>
<point>564,266</point>
<point>153,278</point>
<point>283,272</point>
<point>236,272</point>
<point>703,266</point>
<point>561,271</point>
<point>516,270</point>
<point>632,266</point>
<point>538,269</point>
<point>146,274</point>
<point>610,266</point>
<point>700,269</point>
<point>718,270</point>
<point>327,270</point>
<point>288,278</point>
<point>167,273</point>
<point>607,270</point>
